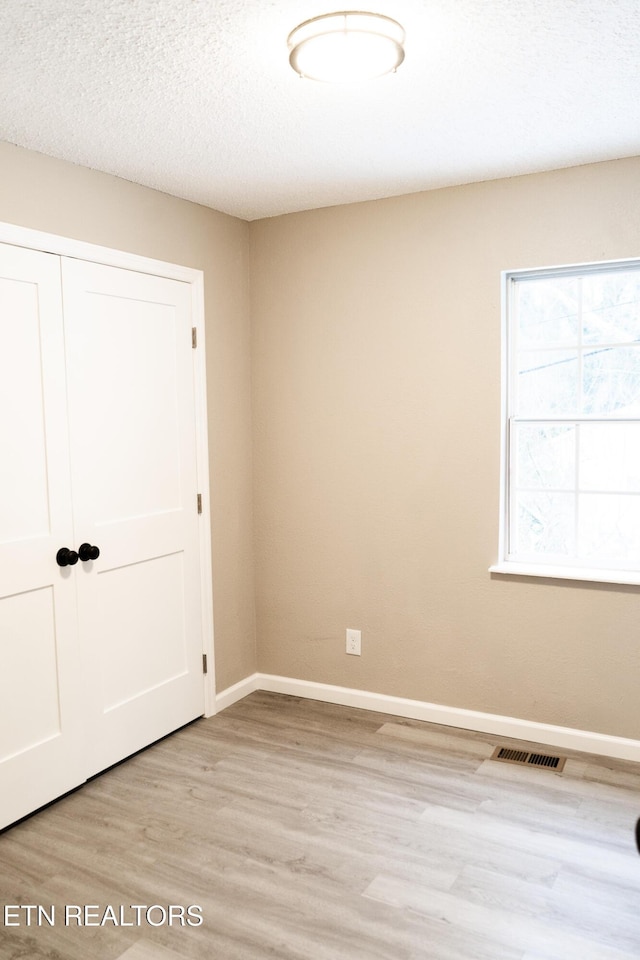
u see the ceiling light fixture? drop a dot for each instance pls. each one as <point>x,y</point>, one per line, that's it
<point>347,46</point>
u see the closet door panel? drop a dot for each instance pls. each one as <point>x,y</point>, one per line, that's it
<point>142,606</point>
<point>133,456</point>
<point>41,703</point>
<point>25,504</point>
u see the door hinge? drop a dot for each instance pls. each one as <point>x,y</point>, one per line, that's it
<point>199,503</point>
<point>194,337</point>
<point>204,663</point>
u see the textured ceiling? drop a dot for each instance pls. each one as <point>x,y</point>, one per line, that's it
<point>196,97</point>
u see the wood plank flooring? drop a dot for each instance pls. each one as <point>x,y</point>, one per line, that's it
<point>307,831</point>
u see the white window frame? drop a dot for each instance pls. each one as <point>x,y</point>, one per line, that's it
<point>506,564</point>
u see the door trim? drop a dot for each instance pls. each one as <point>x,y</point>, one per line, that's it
<point>82,250</point>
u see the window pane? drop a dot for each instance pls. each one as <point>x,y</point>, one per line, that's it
<point>548,311</point>
<point>610,529</point>
<point>610,456</point>
<point>547,383</point>
<point>544,455</point>
<point>573,408</point>
<point>544,524</point>
<point>611,381</point>
<point>611,307</point>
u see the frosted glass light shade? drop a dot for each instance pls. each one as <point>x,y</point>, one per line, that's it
<point>347,46</point>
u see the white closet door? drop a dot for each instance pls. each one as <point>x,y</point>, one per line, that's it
<point>41,711</point>
<point>133,463</point>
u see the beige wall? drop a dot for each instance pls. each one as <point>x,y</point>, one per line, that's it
<point>376,366</point>
<point>376,379</point>
<point>72,201</point>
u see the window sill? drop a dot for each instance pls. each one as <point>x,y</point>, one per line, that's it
<point>590,574</point>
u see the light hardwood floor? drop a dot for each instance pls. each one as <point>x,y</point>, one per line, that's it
<point>310,831</point>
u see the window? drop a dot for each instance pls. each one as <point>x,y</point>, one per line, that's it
<point>571,459</point>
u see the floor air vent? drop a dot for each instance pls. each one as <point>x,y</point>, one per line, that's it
<point>508,755</point>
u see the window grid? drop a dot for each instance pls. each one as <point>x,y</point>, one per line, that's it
<point>576,551</point>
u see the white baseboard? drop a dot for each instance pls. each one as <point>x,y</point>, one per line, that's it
<point>565,738</point>
<point>237,692</point>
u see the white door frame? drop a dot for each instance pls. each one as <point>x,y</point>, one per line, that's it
<point>79,249</point>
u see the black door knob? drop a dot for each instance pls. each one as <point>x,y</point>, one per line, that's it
<point>66,557</point>
<point>87,552</point>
